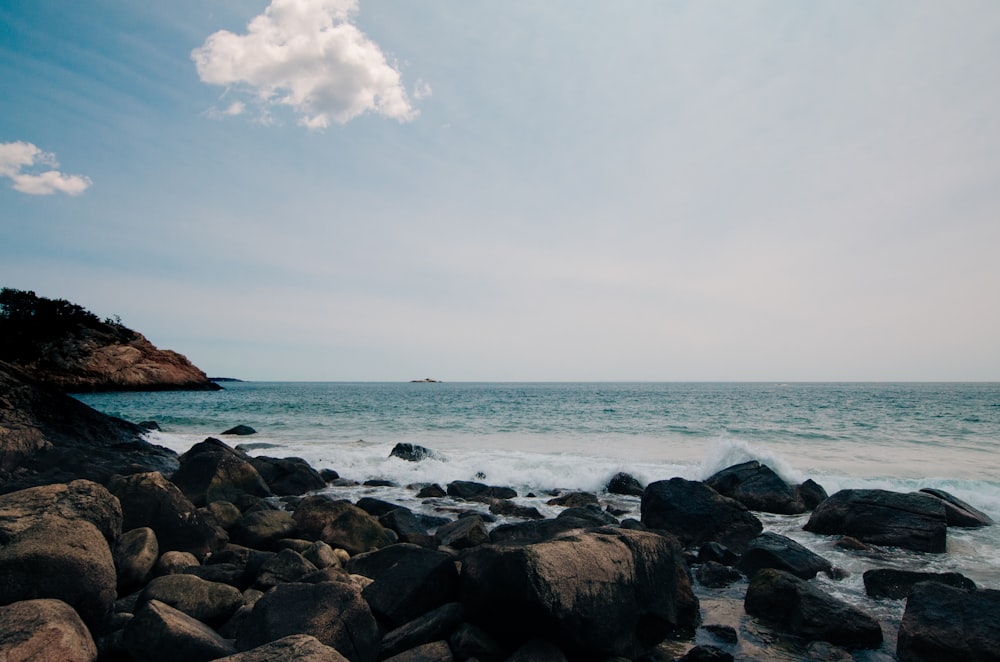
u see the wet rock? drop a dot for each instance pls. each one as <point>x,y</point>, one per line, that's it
<point>408,527</point>
<point>329,475</point>
<point>298,647</point>
<point>697,514</point>
<point>472,491</point>
<point>437,651</point>
<point>333,612</point>
<point>757,487</point>
<point>433,491</point>
<point>957,512</point>
<point>623,483</point>
<point>288,476</point>
<point>160,633</point>
<point>706,653</point>
<point>240,430</point>
<point>800,608</point>
<point>913,521</point>
<point>508,508</point>
<point>771,550</point>
<point>410,452</point>
<point>262,529</point>
<point>713,551</point>
<point>339,524</point>
<point>44,631</point>
<point>376,507</point>
<point>573,500</point>
<point>408,581</point>
<point>946,623</point>
<point>149,499</point>
<point>724,633</point>
<point>591,513</point>
<point>206,601</point>
<point>537,530</point>
<point>67,560</point>
<point>287,566</point>
<point>896,584</point>
<point>463,533</point>
<point>212,471</point>
<point>716,575</point>
<point>431,626</point>
<point>811,493</point>
<point>135,555</point>
<point>607,592</point>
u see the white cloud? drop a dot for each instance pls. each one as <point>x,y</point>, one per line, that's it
<point>309,56</point>
<point>16,156</point>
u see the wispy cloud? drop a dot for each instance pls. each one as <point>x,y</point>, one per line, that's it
<point>309,56</point>
<point>16,156</point>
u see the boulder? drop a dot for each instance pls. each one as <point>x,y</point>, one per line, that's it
<point>523,533</point>
<point>433,491</point>
<point>957,512</point>
<point>437,651</point>
<point>713,551</point>
<point>321,555</point>
<point>408,581</point>
<point>298,647</point>
<point>771,550</point>
<point>811,493</point>
<point>896,584</point>
<point>697,514</point>
<point>286,566</point>
<point>77,500</point>
<point>376,507</point>
<point>623,483</point>
<point>716,575</point>
<point>212,471</point>
<point>608,592</point>
<point>590,513</point>
<point>174,562</point>
<point>408,526</point>
<point>149,499</point>
<point>209,602</point>
<point>288,476</point>
<point>757,487</point>
<point>333,612</point>
<point>469,642</point>
<point>44,631</point>
<point>508,508</point>
<point>706,653</point>
<point>798,607</point>
<point>226,514</point>
<point>432,626</point>
<point>912,521</point>
<point>472,491</point>
<point>67,560</point>
<point>410,452</point>
<point>262,529</point>
<point>946,623</point>
<point>463,533</point>
<point>240,431</point>
<point>160,633</point>
<point>339,524</point>
<point>135,556</point>
<point>537,650</point>
<point>573,500</point>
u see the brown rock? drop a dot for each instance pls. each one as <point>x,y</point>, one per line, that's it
<point>212,471</point>
<point>298,647</point>
<point>209,602</point>
<point>44,631</point>
<point>160,633</point>
<point>135,556</point>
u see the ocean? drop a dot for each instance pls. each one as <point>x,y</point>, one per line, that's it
<point>539,437</point>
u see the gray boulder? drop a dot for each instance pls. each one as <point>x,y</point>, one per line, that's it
<point>44,631</point>
<point>771,550</point>
<point>212,471</point>
<point>160,633</point>
<point>298,647</point>
<point>339,524</point>
<point>288,476</point>
<point>77,500</point>
<point>757,487</point>
<point>463,533</point>
<point>697,514</point>
<point>913,521</point>
<point>798,607</point>
<point>209,602</point>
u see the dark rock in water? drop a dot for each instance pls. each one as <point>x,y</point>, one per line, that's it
<point>896,584</point>
<point>757,487</point>
<point>824,651</point>
<point>957,512</point>
<point>376,507</point>
<point>800,608</point>
<point>724,633</point>
<point>209,602</point>
<point>535,531</point>
<point>409,581</point>
<point>44,631</point>
<point>697,514</point>
<point>471,491</point>
<point>431,626</point>
<point>433,491</point>
<point>713,551</point>
<point>604,593</point>
<point>510,509</point>
<point>706,653</point>
<point>298,647</point>
<point>333,612</point>
<point>410,452</point>
<point>135,555</point>
<point>149,499</point>
<point>288,476</point>
<point>149,425</point>
<point>595,515</point>
<point>329,475</point>
<point>623,483</point>
<point>463,533</point>
<point>240,430</point>
<point>380,482</point>
<point>573,500</point>
<point>408,527</point>
<point>811,493</point>
<point>212,471</point>
<point>852,544</point>
<point>716,575</point>
<point>160,633</point>
<point>946,623</point>
<point>771,550</point>
<point>913,521</point>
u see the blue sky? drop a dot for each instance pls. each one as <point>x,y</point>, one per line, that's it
<point>647,190</point>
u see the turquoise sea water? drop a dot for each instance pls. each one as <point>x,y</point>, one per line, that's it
<point>539,437</point>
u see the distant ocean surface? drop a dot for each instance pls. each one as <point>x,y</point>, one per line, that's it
<point>536,437</point>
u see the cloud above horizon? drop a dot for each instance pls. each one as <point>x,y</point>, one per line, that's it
<point>309,56</point>
<point>16,156</point>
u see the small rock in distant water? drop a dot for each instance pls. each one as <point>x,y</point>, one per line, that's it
<point>149,425</point>
<point>432,491</point>
<point>241,430</point>
<point>329,475</point>
<point>724,633</point>
<point>410,452</point>
<point>623,483</point>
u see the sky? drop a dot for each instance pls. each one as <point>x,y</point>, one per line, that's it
<point>375,190</point>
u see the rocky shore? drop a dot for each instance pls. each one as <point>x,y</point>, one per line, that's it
<point>113,549</point>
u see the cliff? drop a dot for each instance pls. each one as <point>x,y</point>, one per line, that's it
<point>63,345</point>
